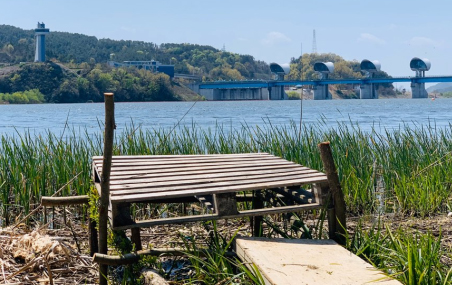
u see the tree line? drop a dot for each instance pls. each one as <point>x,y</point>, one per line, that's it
<point>59,84</point>
<point>18,45</point>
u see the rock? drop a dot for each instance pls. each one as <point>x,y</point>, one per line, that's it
<point>449,214</point>
<point>151,277</point>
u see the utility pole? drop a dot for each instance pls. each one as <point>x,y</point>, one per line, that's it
<point>314,42</point>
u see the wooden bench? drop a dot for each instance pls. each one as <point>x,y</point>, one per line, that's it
<point>214,179</point>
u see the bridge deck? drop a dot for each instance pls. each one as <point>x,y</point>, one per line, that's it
<point>296,262</point>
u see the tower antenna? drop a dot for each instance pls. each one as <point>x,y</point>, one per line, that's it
<point>314,42</point>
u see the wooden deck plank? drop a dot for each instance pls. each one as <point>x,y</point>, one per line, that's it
<point>187,160</point>
<point>176,156</point>
<point>216,190</point>
<point>171,185</point>
<point>295,262</point>
<point>205,169</point>
<point>212,174</point>
<point>225,164</point>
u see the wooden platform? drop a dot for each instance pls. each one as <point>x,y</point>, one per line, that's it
<point>160,178</point>
<point>300,262</point>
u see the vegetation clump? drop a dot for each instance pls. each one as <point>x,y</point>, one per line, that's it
<point>32,96</point>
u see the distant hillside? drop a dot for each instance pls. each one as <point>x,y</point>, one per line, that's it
<point>17,45</point>
<point>59,84</point>
<point>440,87</point>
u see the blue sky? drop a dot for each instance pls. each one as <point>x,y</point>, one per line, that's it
<point>390,31</point>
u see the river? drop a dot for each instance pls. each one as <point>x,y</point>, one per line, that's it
<point>383,113</point>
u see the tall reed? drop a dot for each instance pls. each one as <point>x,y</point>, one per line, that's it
<point>415,162</point>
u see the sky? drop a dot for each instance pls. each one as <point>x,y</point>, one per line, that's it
<point>390,31</point>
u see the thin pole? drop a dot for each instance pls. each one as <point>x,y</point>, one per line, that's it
<point>301,96</point>
<point>105,182</point>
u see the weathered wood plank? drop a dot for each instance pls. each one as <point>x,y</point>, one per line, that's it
<point>212,169</point>
<point>304,261</point>
<point>225,164</point>
<point>175,176</point>
<point>199,218</point>
<point>168,187</point>
<point>64,201</point>
<point>150,161</point>
<point>176,156</point>
<point>171,185</point>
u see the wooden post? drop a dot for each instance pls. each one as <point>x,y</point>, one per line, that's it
<point>336,192</point>
<point>93,243</point>
<point>136,238</point>
<point>105,182</point>
<point>258,203</point>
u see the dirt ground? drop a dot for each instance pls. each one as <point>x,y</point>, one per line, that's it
<point>41,255</point>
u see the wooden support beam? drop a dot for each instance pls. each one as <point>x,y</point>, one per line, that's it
<point>105,182</point>
<point>93,242</point>
<point>336,192</point>
<point>225,204</point>
<point>258,203</point>
<point>131,258</point>
<point>64,201</point>
<point>136,238</point>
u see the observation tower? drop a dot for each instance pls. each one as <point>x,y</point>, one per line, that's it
<point>40,38</point>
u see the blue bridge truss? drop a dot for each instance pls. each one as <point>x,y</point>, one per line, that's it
<point>275,83</point>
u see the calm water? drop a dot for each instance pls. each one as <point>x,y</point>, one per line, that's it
<point>384,113</point>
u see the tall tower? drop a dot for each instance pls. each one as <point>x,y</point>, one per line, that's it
<point>40,38</point>
<point>314,42</point>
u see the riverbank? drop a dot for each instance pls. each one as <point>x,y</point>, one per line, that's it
<point>404,175</point>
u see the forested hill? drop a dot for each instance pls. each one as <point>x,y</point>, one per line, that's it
<point>18,45</point>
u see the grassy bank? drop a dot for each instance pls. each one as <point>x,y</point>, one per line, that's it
<point>406,171</point>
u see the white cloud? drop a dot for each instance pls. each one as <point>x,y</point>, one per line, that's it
<point>423,42</point>
<point>369,38</point>
<point>275,37</point>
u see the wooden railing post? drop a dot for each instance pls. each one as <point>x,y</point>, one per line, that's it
<point>105,182</point>
<point>336,193</point>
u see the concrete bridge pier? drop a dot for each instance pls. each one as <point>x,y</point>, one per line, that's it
<point>321,92</point>
<point>418,90</point>
<point>368,91</point>
<point>277,93</point>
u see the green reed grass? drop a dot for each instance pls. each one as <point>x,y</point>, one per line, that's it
<point>415,162</point>
<point>410,257</point>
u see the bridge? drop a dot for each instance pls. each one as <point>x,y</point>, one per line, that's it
<point>274,89</point>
